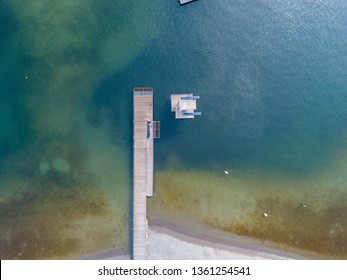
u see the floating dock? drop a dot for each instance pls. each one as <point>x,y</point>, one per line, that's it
<point>184,105</point>
<point>145,130</point>
<point>182,2</point>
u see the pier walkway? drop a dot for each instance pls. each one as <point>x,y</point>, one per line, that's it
<point>142,167</point>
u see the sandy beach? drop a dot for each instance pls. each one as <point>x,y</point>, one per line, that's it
<point>167,241</point>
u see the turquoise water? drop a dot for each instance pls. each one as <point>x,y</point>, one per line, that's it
<point>272,76</point>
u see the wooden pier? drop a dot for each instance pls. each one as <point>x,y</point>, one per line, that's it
<point>142,166</point>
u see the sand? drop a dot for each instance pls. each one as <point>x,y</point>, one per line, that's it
<point>167,241</point>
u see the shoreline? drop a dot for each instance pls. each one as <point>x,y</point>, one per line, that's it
<point>170,241</point>
<point>235,247</point>
<point>115,254</point>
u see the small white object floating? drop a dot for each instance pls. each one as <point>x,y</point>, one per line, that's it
<point>184,105</point>
<point>265,215</point>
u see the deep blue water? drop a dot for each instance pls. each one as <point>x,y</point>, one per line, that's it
<point>271,76</point>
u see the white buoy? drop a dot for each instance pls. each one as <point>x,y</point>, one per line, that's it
<point>228,177</point>
<point>265,215</point>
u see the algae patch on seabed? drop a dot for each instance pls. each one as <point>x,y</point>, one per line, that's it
<point>292,213</point>
<point>59,213</point>
<point>49,223</point>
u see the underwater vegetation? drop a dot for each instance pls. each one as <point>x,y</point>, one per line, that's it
<point>64,180</point>
<point>298,214</point>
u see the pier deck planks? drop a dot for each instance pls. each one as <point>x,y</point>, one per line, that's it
<point>142,167</point>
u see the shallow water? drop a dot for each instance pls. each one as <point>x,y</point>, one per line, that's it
<point>65,176</point>
<point>272,76</point>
